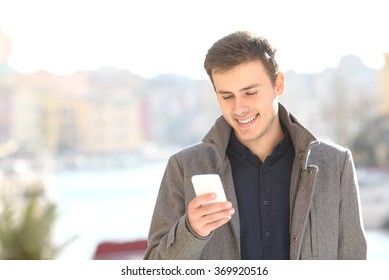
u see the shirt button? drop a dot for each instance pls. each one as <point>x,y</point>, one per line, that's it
<point>265,202</point>
<point>295,238</point>
<point>267,234</point>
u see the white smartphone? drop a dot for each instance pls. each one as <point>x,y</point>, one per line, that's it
<point>209,183</point>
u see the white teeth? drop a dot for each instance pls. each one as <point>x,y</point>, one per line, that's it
<point>247,120</point>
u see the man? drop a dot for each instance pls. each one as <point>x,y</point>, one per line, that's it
<point>290,196</point>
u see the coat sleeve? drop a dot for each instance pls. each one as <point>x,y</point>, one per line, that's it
<point>170,237</point>
<point>352,241</point>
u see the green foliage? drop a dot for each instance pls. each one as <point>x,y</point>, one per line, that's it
<point>26,231</point>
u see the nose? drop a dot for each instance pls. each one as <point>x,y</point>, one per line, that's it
<point>240,106</point>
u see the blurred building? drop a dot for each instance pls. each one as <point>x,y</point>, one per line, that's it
<point>335,102</point>
<point>112,115</point>
<point>176,110</point>
<point>108,115</point>
<point>385,85</point>
<point>372,145</point>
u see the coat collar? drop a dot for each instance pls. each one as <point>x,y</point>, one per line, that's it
<point>302,138</point>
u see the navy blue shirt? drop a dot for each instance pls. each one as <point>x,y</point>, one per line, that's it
<point>262,191</point>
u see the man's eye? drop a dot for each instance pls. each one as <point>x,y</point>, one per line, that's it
<point>251,93</point>
<point>225,97</point>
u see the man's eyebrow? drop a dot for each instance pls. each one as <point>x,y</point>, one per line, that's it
<point>249,87</point>
<point>224,92</point>
<point>243,89</point>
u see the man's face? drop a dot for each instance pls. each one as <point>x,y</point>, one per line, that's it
<point>249,101</point>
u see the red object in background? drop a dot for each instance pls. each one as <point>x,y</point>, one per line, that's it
<point>133,250</point>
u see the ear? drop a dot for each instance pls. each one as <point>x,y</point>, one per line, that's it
<point>280,83</point>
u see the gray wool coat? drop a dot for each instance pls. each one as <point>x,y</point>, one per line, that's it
<point>325,215</point>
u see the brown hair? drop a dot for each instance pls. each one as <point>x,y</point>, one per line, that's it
<point>240,47</point>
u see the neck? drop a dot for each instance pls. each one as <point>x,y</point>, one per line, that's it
<point>264,145</point>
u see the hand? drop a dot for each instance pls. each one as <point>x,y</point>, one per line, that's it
<point>205,219</point>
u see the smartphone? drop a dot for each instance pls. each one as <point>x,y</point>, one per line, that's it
<point>209,183</point>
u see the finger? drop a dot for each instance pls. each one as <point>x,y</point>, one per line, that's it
<point>201,199</point>
<point>208,228</point>
<point>196,213</point>
<point>216,207</point>
<point>215,216</point>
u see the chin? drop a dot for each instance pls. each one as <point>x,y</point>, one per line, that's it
<point>246,137</point>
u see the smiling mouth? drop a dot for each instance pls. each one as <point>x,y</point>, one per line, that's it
<point>248,120</point>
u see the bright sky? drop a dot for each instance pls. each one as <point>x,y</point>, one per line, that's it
<point>150,37</point>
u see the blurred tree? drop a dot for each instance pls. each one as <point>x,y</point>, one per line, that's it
<point>26,231</point>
